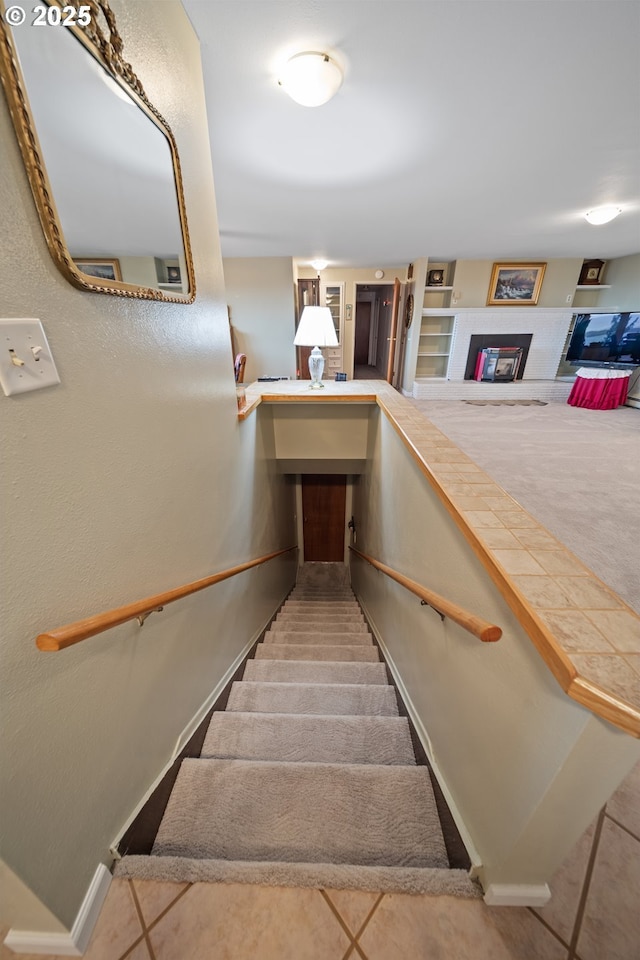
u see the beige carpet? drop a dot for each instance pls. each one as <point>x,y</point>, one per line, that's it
<point>309,777</point>
<point>575,470</point>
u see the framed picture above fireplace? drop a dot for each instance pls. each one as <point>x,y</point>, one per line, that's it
<point>515,284</point>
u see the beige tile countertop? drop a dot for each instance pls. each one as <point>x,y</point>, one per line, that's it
<point>588,637</point>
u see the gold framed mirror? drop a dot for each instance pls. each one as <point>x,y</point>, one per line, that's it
<point>102,162</point>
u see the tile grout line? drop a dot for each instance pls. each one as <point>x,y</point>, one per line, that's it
<point>323,893</point>
<point>548,927</point>
<point>127,953</point>
<point>621,825</point>
<point>582,903</point>
<point>366,922</point>
<point>170,906</point>
<point>145,932</point>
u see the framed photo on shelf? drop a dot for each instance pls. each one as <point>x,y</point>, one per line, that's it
<point>591,272</point>
<point>515,284</point>
<point>100,268</point>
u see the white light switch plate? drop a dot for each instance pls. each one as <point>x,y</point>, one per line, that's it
<point>26,362</point>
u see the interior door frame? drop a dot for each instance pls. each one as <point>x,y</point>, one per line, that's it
<point>393,329</point>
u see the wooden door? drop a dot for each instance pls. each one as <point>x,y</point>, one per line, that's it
<point>393,332</point>
<point>324,500</point>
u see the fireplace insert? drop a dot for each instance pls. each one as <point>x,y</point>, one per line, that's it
<point>498,363</point>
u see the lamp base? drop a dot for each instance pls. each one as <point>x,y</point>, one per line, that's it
<point>316,369</point>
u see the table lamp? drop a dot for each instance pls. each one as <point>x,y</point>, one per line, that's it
<point>316,330</point>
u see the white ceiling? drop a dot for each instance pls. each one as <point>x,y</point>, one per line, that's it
<point>475,129</point>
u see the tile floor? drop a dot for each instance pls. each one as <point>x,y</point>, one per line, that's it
<point>594,914</point>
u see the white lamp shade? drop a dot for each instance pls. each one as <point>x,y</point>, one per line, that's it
<point>311,79</point>
<point>316,328</point>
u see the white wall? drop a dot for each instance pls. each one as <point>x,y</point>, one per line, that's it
<point>526,767</point>
<point>132,476</point>
<point>622,276</point>
<point>260,294</point>
<point>549,328</point>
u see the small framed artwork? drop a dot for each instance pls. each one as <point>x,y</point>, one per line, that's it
<point>591,272</point>
<point>435,278</point>
<point>517,284</point>
<point>173,275</point>
<point>100,269</point>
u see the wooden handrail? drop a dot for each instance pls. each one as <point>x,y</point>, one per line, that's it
<point>61,637</point>
<point>485,631</point>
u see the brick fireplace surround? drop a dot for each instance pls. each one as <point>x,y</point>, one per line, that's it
<point>549,328</point>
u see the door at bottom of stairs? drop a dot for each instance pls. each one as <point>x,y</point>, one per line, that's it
<point>324,499</point>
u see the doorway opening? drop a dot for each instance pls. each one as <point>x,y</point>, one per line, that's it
<point>374,330</point>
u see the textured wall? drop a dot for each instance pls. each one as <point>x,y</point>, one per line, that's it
<point>260,295</point>
<point>132,476</point>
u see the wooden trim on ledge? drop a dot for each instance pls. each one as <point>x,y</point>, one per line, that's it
<point>61,637</point>
<point>605,705</point>
<point>611,707</point>
<point>485,631</point>
<point>588,694</point>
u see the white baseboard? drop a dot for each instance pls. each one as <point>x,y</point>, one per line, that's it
<point>423,736</point>
<point>191,728</point>
<point>517,895</point>
<point>74,943</point>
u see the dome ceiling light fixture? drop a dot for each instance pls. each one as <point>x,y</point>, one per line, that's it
<point>600,215</point>
<point>319,264</point>
<point>311,78</point>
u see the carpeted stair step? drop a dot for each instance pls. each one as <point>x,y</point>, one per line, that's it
<point>323,592</point>
<point>319,698</point>
<point>304,625</point>
<point>321,606</point>
<point>299,613</point>
<point>318,637</point>
<point>317,651</point>
<point>356,814</point>
<point>310,671</point>
<point>308,594</point>
<point>308,778</point>
<point>297,738</point>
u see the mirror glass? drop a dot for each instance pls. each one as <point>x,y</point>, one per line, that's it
<point>110,165</point>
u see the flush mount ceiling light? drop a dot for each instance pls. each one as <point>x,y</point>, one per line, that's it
<point>319,264</point>
<point>601,215</point>
<point>311,79</point>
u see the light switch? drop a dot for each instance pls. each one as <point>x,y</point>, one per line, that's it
<point>26,362</point>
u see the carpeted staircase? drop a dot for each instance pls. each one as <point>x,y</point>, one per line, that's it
<point>308,778</point>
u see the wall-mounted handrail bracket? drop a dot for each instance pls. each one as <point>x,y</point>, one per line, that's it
<point>143,616</point>
<point>423,603</point>
<point>485,631</point>
<point>61,637</point>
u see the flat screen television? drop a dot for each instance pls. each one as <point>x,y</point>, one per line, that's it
<point>605,339</point>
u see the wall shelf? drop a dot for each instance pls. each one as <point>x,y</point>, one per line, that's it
<point>593,286</point>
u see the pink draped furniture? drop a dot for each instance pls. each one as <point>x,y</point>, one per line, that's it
<point>599,388</point>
